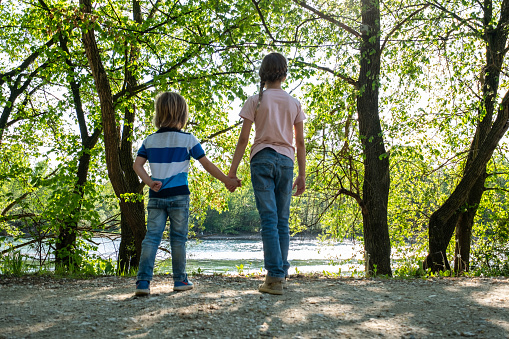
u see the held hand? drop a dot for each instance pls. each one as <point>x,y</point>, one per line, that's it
<point>300,183</point>
<point>232,174</point>
<point>156,186</point>
<point>233,183</point>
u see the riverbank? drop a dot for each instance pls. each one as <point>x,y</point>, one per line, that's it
<point>231,307</point>
<point>248,236</point>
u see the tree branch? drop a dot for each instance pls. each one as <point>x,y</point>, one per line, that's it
<point>24,195</point>
<point>496,189</point>
<point>153,9</point>
<point>398,26</point>
<point>4,218</point>
<point>24,65</point>
<point>213,135</point>
<point>354,195</point>
<point>326,69</point>
<point>455,16</point>
<point>150,82</point>
<point>504,16</point>
<point>26,244</point>
<point>328,18</point>
<point>274,40</point>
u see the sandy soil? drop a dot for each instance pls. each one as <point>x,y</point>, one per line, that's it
<point>231,307</point>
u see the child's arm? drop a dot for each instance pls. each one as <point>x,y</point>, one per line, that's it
<point>300,181</point>
<point>241,147</point>
<point>138,168</point>
<point>230,183</point>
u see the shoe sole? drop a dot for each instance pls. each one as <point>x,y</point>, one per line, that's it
<point>270,291</point>
<point>183,288</point>
<point>142,292</point>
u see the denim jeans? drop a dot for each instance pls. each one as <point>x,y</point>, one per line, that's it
<point>272,176</point>
<point>175,208</point>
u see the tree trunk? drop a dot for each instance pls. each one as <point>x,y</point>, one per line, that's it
<point>443,221</point>
<point>66,242</point>
<point>132,212</point>
<point>495,40</point>
<point>376,163</point>
<point>463,237</point>
<point>440,232</point>
<point>130,243</point>
<point>458,212</point>
<point>118,161</point>
<point>465,223</point>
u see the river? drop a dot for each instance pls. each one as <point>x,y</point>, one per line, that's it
<point>226,256</point>
<point>239,255</point>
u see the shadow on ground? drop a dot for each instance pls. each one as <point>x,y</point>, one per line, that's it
<point>231,307</point>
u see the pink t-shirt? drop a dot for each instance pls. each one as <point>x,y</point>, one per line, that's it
<point>274,121</point>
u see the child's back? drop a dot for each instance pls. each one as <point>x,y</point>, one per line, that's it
<point>274,120</point>
<point>276,115</point>
<point>168,152</point>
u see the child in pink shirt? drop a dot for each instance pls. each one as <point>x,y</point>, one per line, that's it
<point>276,115</point>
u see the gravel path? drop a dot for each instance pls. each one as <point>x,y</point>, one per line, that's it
<point>231,307</point>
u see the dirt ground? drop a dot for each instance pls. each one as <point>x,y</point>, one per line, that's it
<point>231,307</point>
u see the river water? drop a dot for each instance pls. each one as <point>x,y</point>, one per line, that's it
<point>246,256</point>
<point>232,256</point>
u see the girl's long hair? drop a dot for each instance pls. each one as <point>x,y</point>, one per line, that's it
<point>273,68</point>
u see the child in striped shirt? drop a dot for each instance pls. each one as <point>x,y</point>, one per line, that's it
<point>168,152</point>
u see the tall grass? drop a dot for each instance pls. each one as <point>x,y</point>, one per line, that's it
<point>14,263</point>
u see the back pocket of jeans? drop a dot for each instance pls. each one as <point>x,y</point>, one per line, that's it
<point>262,176</point>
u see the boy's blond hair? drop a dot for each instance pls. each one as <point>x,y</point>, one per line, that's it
<point>171,110</point>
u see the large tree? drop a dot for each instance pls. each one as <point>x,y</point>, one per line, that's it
<point>370,187</point>
<point>169,46</point>
<point>65,245</point>
<point>459,209</point>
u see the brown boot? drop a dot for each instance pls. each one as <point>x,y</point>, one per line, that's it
<point>272,285</point>
<point>285,281</point>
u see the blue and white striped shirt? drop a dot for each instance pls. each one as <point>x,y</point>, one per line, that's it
<point>168,152</point>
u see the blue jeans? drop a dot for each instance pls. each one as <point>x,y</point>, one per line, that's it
<point>175,208</point>
<point>272,176</point>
